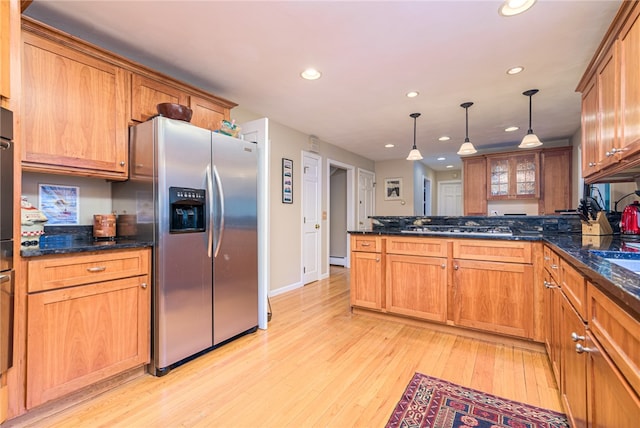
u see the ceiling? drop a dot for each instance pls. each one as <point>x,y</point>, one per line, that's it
<point>370,53</point>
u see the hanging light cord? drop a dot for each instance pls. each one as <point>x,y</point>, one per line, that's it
<point>466,115</point>
<point>414,132</point>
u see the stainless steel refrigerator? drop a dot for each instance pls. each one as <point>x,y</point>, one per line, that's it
<point>193,192</point>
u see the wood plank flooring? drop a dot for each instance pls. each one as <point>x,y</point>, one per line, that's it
<point>316,365</point>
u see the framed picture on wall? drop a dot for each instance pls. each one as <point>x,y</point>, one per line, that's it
<point>287,181</point>
<point>392,189</point>
<point>59,203</point>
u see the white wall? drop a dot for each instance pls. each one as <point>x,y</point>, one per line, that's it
<point>403,169</point>
<point>286,219</point>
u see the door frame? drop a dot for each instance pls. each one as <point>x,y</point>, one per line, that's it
<point>350,208</point>
<point>319,215</point>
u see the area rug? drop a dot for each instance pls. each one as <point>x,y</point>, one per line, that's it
<point>429,402</point>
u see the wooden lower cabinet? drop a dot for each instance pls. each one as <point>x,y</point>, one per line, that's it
<point>573,378</point>
<point>611,401</point>
<point>417,286</point>
<point>492,296</point>
<point>366,280</point>
<point>79,335</point>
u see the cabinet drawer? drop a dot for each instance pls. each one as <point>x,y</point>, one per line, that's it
<point>552,263</point>
<point>65,271</point>
<point>432,247</point>
<point>495,251</point>
<point>618,332</point>
<point>574,287</point>
<point>367,243</point>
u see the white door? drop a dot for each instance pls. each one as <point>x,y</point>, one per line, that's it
<point>450,198</point>
<point>311,217</point>
<point>258,131</point>
<point>366,201</point>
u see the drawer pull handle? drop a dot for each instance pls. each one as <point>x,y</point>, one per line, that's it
<point>144,285</point>
<point>547,258</point>
<point>575,337</point>
<point>97,269</point>
<point>554,266</point>
<point>580,349</point>
<point>548,284</point>
<point>366,244</point>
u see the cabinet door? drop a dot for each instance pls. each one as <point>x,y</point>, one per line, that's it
<point>611,401</point>
<point>5,48</point>
<point>590,129</point>
<point>80,335</point>
<point>207,114</point>
<point>608,107</point>
<point>573,366</point>
<point>74,111</point>
<point>630,85</point>
<point>417,286</point>
<point>491,296</point>
<point>552,300</point>
<point>366,280</point>
<point>514,176</point>
<point>147,93</point>
<point>556,181</point>
<point>475,186</point>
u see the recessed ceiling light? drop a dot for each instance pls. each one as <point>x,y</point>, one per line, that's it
<point>389,145</point>
<point>515,70</point>
<point>441,158</point>
<point>444,138</point>
<point>413,94</point>
<point>310,74</point>
<point>515,7</point>
<point>511,129</point>
<point>449,166</point>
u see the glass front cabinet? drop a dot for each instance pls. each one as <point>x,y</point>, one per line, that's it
<point>514,177</point>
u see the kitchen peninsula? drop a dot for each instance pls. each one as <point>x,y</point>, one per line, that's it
<point>527,280</point>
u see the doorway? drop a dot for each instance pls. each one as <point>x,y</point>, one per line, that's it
<point>340,206</point>
<point>450,198</point>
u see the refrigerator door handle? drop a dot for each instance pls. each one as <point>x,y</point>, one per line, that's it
<point>221,197</point>
<point>210,193</point>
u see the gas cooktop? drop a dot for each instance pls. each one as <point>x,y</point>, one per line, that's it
<point>461,230</point>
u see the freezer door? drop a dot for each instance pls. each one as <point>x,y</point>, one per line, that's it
<point>183,299</point>
<point>235,291</point>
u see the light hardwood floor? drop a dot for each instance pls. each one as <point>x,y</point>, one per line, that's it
<point>316,365</point>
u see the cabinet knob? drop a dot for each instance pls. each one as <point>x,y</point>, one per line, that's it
<point>377,259</point>
<point>575,337</point>
<point>581,349</point>
<point>144,285</point>
<point>443,265</point>
<point>455,267</point>
<point>122,163</point>
<point>608,154</point>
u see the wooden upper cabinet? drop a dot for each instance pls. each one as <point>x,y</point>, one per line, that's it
<point>74,111</point>
<point>475,186</point>
<point>147,93</point>
<point>608,87</point>
<point>207,114</point>
<point>555,183</point>
<point>5,48</point>
<point>590,149</point>
<point>630,85</point>
<point>513,176</point>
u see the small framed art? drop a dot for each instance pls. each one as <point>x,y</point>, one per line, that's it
<point>287,181</point>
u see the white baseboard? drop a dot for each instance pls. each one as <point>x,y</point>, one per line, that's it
<point>337,261</point>
<point>285,289</point>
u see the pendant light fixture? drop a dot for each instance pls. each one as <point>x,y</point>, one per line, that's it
<point>466,148</point>
<point>530,140</point>
<point>414,154</point>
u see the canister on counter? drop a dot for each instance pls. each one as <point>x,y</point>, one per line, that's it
<point>104,226</point>
<point>126,225</point>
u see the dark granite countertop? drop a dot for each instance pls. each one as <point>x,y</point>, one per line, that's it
<point>77,239</point>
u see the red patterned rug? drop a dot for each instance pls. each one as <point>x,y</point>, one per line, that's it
<point>434,403</point>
